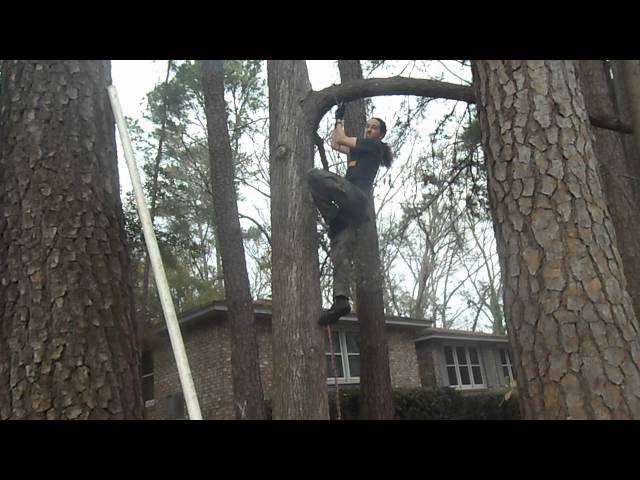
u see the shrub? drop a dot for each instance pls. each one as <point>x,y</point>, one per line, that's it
<point>435,404</point>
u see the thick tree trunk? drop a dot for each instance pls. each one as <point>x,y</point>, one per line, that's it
<point>376,398</point>
<point>247,387</point>
<point>570,319</point>
<point>616,179</point>
<point>68,343</point>
<point>299,377</point>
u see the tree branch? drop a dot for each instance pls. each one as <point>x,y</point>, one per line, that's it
<point>610,124</point>
<point>323,155</point>
<point>258,226</point>
<point>317,103</point>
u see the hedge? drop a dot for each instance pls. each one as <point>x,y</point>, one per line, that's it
<point>433,404</point>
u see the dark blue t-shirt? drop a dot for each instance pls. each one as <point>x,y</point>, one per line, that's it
<point>363,162</point>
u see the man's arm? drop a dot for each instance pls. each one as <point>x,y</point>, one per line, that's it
<point>334,144</point>
<point>341,139</point>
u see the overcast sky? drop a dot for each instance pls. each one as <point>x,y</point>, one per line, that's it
<point>135,78</point>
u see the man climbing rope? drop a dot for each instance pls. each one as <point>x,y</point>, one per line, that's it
<point>342,201</point>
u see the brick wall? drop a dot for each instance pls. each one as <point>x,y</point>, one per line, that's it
<point>403,363</point>
<point>209,352</point>
<point>427,364</point>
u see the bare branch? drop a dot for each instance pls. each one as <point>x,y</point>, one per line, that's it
<point>323,156</point>
<point>258,226</point>
<point>319,102</point>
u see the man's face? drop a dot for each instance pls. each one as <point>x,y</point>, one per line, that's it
<point>372,130</point>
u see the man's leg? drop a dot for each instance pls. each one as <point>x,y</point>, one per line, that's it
<point>341,255</point>
<point>339,201</point>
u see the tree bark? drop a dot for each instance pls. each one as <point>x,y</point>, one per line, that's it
<point>299,376</point>
<point>245,365</point>
<point>623,112</point>
<point>616,181</point>
<point>631,79</point>
<point>69,348</point>
<point>376,398</point>
<point>570,320</point>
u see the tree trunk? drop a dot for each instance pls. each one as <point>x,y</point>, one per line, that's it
<point>631,79</point>
<point>376,398</point>
<point>69,348</point>
<point>570,320</point>
<point>299,371</point>
<point>144,308</point>
<point>247,387</point>
<point>624,114</point>
<point>616,181</point>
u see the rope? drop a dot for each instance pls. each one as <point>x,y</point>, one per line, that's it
<point>335,374</point>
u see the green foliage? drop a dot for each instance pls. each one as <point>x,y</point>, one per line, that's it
<point>179,192</point>
<point>435,404</point>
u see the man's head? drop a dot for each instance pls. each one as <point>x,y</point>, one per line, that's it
<point>375,128</point>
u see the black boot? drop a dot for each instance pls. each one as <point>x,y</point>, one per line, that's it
<point>340,308</point>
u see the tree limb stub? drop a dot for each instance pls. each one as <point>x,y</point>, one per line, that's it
<point>318,103</point>
<point>608,123</point>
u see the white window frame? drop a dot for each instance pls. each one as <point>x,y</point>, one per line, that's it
<point>456,364</point>
<point>341,353</point>
<point>501,365</point>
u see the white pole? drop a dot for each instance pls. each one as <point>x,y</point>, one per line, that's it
<point>175,336</point>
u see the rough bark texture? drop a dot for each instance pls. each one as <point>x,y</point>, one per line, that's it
<point>68,343</point>
<point>571,323</point>
<point>300,389</point>
<point>614,172</point>
<point>247,387</point>
<point>376,398</point>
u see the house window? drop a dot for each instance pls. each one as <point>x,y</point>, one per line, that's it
<point>508,373</point>
<point>147,378</point>
<point>346,353</point>
<point>463,367</point>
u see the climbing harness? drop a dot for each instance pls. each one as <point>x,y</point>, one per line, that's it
<point>335,373</point>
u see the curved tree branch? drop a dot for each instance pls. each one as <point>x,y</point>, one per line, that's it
<point>258,226</point>
<point>317,103</point>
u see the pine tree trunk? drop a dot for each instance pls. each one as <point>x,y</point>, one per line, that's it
<point>245,365</point>
<point>299,371</point>
<point>376,398</point>
<point>570,320</point>
<point>616,179</point>
<point>69,348</point>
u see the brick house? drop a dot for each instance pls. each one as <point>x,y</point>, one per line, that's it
<point>419,355</point>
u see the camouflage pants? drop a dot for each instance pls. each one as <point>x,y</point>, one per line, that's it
<point>338,199</point>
